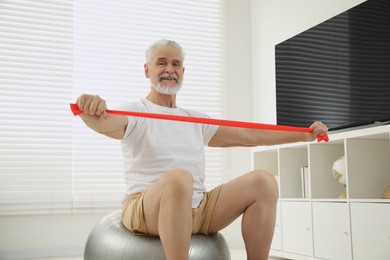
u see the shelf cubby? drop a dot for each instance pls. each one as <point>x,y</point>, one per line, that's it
<point>368,165</point>
<point>291,160</point>
<point>321,159</point>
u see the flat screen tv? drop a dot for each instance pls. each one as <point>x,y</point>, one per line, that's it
<point>337,72</point>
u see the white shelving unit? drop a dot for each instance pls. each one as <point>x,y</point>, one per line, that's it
<point>320,225</point>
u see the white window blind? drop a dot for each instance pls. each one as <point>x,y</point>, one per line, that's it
<point>53,51</point>
<point>35,86</point>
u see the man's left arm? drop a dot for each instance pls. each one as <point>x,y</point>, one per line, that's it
<point>233,136</point>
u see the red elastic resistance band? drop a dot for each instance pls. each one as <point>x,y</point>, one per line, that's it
<point>210,121</point>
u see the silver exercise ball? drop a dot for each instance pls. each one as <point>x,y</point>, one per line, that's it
<point>110,240</point>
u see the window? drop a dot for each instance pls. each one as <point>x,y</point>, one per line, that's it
<point>51,52</point>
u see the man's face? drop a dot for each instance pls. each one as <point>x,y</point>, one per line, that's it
<point>165,70</point>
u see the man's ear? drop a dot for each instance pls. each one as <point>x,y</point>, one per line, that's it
<point>146,69</point>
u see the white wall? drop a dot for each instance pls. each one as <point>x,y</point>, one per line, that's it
<point>44,235</point>
<point>254,29</point>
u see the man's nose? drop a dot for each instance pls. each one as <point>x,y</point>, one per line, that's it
<point>169,68</point>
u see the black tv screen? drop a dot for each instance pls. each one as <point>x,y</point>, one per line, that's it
<point>337,72</point>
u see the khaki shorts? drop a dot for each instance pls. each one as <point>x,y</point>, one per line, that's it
<point>133,216</point>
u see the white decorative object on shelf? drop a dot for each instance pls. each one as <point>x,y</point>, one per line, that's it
<point>338,171</point>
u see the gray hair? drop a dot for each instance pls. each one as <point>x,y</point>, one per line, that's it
<point>163,42</point>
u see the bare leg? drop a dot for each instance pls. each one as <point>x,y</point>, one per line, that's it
<point>255,196</point>
<point>167,207</point>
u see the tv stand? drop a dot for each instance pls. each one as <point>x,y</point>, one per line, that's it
<point>320,225</point>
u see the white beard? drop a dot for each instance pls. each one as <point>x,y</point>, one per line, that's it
<point>167,89</point>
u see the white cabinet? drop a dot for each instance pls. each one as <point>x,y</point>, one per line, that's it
<point>321,225</point>
<point>371,231</point>
<point>331,230</point>
<point>296,227</point>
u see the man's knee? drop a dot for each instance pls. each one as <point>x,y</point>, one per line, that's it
<point>265,182</point>
<point>178,182</point>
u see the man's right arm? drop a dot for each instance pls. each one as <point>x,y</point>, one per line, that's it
<point>95,117</point>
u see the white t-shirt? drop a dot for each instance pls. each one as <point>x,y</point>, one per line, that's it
<point>151,147</point>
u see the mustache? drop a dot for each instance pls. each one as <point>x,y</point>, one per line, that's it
<point>168,75</point>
